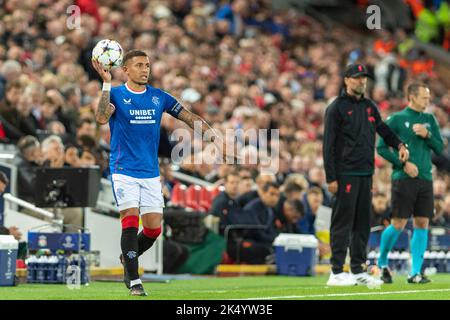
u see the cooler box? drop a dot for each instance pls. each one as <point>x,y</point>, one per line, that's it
<point>295,254</point>
<point>8,257</point>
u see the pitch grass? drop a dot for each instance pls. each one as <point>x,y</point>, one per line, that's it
<point>212,288</point>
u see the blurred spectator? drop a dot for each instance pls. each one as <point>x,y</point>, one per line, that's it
<point>167,179</point>
<point>72,156</point>
<point>28,158</point>
<point>291,212</point>
<point>316,178</point>
<point>248,244</point>
<point>312,200</point>
<point>381,213</point>
<point>261,181</point>
<point>442,214</point>
<point>9,71</point>
<point>245,185</point>
<point>263,209</point>
<point>231,17</point>
<point>14,125</point>
<point>225,202</point>
<point>53,152</point>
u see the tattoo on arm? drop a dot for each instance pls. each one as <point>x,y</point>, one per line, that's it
<point>104,109</point>
<point>191,119</point>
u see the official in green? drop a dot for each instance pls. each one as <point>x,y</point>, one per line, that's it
<point>412,184</point>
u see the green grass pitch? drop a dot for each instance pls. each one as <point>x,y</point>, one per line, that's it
<point>252,287</point>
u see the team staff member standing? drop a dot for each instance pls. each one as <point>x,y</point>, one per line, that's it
<point>351,122</point>
<point>412,184</point>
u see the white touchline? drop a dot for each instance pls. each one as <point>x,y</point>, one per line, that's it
<point>344,294</point>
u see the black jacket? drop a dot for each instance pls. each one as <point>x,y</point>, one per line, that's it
<point>245,198</point>
<point>263,216</point>
<point>26,178</point>
<point>349,136</point>
<point>224,207</point>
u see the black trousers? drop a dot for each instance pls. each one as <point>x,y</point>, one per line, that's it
<point>350,222</point>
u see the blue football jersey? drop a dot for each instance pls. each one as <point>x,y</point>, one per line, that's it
<point>135,128</point>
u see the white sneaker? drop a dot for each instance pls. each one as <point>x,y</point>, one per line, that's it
<point>342,279</point>
<point>364,279</point>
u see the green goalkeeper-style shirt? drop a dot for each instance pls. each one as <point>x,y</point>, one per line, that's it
<point>419,148</point>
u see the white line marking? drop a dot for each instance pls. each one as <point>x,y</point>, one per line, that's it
<point>344,294</point>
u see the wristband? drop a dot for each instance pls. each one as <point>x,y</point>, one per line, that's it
<point>106,86</point>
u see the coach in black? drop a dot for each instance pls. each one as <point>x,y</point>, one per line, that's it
<point>351,122</point>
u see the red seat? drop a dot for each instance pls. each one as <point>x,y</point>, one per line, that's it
<point>192,197</point>
<point>205,198</point>
<point>179,195</point>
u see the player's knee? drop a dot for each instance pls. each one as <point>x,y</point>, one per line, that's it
<point>129,212</point>
<point>130,221</point>
<point>421,223</point>
<point>399,224</point>
<point>152,233</point>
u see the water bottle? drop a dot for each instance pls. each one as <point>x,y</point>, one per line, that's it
<point>426,260</point>
<point>393,260</point>
<point>372,256</point>
<point>52,269</point>
<point>404,262</point>
<point>40,276</point>
<point>390,261</point>
<point>31,269</point>
<point>45,268</point>
<point>83,271</point>
<point>440,257</point>
<point>61,269</point>
<point>447,262</point>
<point>433,259</point>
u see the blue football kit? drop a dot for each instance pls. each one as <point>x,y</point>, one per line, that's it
<point>135,129</point>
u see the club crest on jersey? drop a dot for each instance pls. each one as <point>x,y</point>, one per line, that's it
<point>155,101</point>
<point>407,124</point>
<point>125,101</point>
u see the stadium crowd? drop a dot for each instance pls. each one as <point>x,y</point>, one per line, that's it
<point>239,65</point>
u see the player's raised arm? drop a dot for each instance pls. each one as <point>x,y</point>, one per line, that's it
<point>104,109</point>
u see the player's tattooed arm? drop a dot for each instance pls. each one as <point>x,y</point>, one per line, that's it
<point>198,124</point>
<point>209,134</point>
<point>104,109</point>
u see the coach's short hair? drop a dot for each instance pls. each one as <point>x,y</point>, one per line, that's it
<point>26,143</point>
<point>269,185</point>
<point>131,54</point>
<point>413,88</point>
<point>292,186</point>
<point>297,205</point>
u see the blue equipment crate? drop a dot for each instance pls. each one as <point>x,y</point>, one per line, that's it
<point>8,257</point>
<point>295,254</point>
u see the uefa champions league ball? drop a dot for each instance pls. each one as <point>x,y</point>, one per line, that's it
<point>109,53</point>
